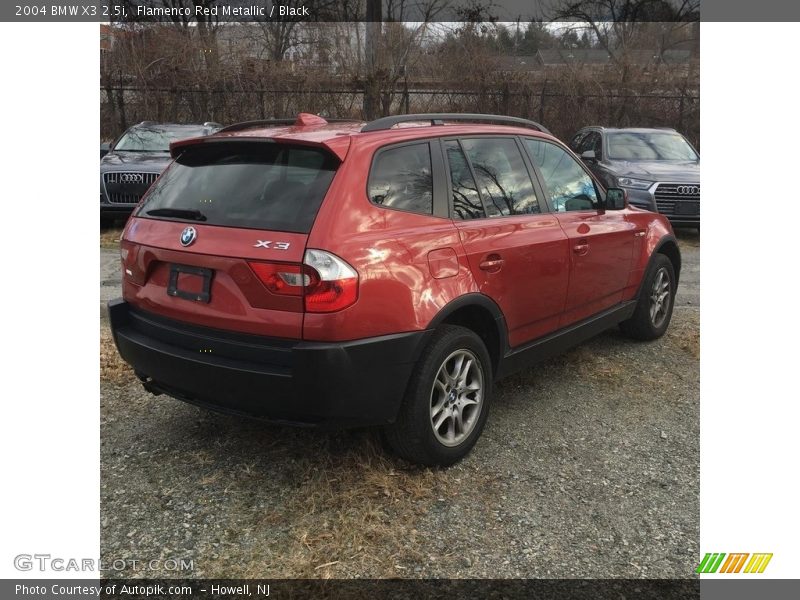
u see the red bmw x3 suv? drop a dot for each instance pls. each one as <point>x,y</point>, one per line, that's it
<point>384,273</point>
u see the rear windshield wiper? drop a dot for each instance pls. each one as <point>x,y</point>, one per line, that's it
<point>178,213</point>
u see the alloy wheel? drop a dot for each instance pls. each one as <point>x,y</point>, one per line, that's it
<point>660,298</point>
<point>456,397</point>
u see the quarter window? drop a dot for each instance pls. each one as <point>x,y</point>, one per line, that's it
<point>401,179</point>
<point>569,186</point>
<point>503,180</point>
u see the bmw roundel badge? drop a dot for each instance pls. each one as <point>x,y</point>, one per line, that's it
<point>188,236</point>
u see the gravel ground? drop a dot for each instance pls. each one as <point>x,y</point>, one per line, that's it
<point>588,467</point>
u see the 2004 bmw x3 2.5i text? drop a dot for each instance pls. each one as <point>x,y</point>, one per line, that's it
<point>382,274</point>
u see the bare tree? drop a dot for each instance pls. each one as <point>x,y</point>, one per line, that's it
<point>389,47</point>
<point>279,36</point>
<point>160,71</point>
<point>619,26</point>
<point>616,24</point>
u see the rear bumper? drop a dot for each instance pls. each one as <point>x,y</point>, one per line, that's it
<point>307,383</point>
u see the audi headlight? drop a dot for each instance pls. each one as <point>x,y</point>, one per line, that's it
<point>636,184</point>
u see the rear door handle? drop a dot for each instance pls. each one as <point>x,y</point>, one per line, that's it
<point>492,263</point>
<point>581,248</point>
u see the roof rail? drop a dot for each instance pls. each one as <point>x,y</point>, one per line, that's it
<point>276,122</point>
<point>439,119</point>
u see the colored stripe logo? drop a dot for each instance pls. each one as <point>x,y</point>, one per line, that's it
<point>714,562</point>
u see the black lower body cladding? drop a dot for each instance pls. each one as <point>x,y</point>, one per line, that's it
<point>339,384</point>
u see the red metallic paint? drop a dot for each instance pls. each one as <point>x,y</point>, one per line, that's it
<point>555,269</point>
<point>443,262</point>
<point>239,301</point>
<point>601,244</point>
<point>654,229</point>
<point>530,270</point>
<point>389,250</point>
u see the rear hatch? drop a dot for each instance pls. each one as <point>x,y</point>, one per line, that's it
<point>220,238</point>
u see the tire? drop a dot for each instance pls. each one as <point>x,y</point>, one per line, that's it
<point>106,222</point>
<point>413,436</point>
<point>647,322</point>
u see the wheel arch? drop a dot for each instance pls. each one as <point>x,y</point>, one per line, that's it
<point>480,314</point>
<point>668,246</point>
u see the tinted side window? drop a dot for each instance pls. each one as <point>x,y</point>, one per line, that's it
<point>576,140</point>
<point>503,180</point>
<point>592,141</point>
<point>598,145</point>
<point>466,201</point>
<point>569,186</point>
<point>401,178</point>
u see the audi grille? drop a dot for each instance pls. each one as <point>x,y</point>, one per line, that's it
<point>124,187</point>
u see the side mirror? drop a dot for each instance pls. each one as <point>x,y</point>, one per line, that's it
<point>589,156</point>
<point>104,149</point>
<point>616,199</point>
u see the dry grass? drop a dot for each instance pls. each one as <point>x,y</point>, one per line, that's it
<point>109,238</point>
<point>686,335</point>
<point>588,364</point>
<point>354,511</point>
<point>691,343</point>
<point>351,510</point>
<point>112,368</point>
<point>688,238</point>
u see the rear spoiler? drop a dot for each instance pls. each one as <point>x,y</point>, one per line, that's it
<point>337,146</point>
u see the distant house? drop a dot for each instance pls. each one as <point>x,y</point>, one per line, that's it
<point>518,64</point>
<point>327,47</point>
<point>109,38</point>
<point>676,57</point>
<point>559,57</point>
<point>590,57</point>
<point>106,37</point>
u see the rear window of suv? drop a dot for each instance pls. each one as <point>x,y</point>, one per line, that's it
<point>257,185</point>
<point>401,178</point>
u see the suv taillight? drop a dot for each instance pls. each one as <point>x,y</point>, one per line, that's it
<point>281,278</point>
<point>333,285</point>
<point>324,280</point>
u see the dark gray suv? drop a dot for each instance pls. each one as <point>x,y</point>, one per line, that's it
<point>135,160</point>
<point>659,168</point>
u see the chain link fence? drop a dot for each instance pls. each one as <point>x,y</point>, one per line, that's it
<point>561,111</point>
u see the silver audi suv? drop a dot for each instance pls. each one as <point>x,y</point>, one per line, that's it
<point>659,168</point>
<point>135,160</point>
